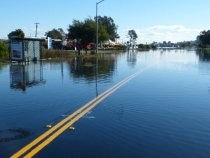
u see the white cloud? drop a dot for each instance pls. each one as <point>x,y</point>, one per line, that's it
<point>159,33</point>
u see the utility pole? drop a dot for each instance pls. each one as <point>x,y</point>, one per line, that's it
<point>36,28</point>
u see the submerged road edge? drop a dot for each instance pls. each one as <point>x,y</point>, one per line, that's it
<point>35,146</point>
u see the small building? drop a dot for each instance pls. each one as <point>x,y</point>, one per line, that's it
<point>26,49</point>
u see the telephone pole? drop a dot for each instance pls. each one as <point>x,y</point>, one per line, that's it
<point>36,28</point>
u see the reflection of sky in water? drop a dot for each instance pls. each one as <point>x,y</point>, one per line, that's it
<point>167,103</point>
<point>180,61</point>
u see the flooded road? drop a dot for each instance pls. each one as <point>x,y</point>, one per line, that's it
<point>162,112</point>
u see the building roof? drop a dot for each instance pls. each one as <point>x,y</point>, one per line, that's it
<point>29,39</point>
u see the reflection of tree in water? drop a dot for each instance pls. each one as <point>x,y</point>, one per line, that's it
<point>13,134</point>
<point>131,58</point>
<point>204,55</point>
<point>88,67</point>
<point>2,66</point>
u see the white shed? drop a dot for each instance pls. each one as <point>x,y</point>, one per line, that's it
<point>26,49</point>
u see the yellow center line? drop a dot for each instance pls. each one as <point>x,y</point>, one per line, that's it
<point>72,118</point>
<point>44,135</point>
<point>65,127</point>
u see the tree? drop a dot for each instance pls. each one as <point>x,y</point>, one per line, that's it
<point>75,31</point>
<point>63,34</point>
<point>3,49</point>
<point>204,38</point>
<point>132,34</point>
<point>54,33</point>
<point>85,31</point>
<point>16,34</point>
<point>110,26</point>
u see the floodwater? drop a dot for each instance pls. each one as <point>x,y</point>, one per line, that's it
<point>164,112</point>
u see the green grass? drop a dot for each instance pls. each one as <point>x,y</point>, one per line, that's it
<point>56,54</point>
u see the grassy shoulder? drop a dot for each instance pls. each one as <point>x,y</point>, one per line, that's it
<point>204,49</point>
<point>4,52</point>
<point>4,60</point>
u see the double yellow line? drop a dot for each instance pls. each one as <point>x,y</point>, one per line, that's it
<point>43,140</point>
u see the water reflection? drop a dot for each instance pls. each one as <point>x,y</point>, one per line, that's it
<point>204,55</point>
<point>23,76</point>
<point>2,67</point>
<point>148,109</point>
<point>89,68</point>
<point>131,58</point>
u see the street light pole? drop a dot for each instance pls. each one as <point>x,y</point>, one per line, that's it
<point>97,25</point>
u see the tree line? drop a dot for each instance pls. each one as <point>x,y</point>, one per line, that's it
<point>83,32</point>
<point>204,39</point>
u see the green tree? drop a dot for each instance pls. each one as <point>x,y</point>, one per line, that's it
<point>85,31</point>
<point>3,49</point>
<point>75,31</point>
<point>110,26</point>
<point>16,34</point>
<point>204,38</point>
<point>54,33</point>
<point>132,34</point>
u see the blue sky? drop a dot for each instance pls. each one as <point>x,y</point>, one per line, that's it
<point>153,20</point>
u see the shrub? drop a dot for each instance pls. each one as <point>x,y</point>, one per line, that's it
<point>3,49</point>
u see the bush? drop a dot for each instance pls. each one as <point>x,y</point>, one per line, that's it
<point>51,53</point>
<point>3,49</point>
